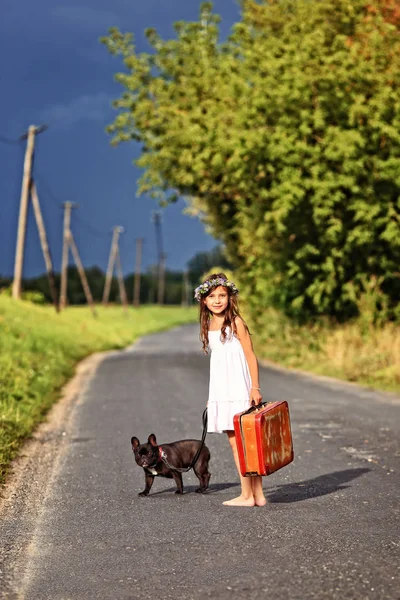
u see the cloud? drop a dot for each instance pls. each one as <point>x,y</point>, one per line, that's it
<point>86,18</point>
<point>96,107</point>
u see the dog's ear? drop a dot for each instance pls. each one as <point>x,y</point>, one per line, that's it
<point>152,439</point>
<point>135,443</point>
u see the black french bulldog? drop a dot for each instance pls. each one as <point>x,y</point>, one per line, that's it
<point>178,454</point>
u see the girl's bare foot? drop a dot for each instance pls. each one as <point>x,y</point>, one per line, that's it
<point>240,501</point>
<point>262,501</point>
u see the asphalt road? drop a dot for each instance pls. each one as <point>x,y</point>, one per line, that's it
<point>330,529</point>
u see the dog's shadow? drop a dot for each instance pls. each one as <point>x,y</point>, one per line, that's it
<point>313,488</point>
<point>190,489</point>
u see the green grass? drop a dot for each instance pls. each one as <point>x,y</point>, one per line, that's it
<point>356,351</point>
<point>39,350</point>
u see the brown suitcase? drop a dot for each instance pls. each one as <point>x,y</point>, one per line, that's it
<point>264,438</point>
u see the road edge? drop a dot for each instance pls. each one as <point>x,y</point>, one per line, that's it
<point>378,395</point>
<point>28,483</point>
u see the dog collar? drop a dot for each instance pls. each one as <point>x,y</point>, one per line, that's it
<point>163,456</point>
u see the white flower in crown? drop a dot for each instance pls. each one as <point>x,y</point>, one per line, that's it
<point>211,283</point>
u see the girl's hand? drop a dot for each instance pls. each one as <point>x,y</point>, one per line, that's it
<point>255,396</point>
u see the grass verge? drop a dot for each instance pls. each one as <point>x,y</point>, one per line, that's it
<point>357,351</point>
<point>39,350</point>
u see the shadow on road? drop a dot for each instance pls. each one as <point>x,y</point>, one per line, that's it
<point>312,488</point>
<point>190,489</point>
<point>290,492</point>
<point>217,487</point>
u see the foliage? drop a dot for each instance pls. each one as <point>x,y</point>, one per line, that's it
<point>34,297</point>
<point>356,351</point>
<point>29,296</point>
<point>203,263</point>
<point>286,140</point>
<point>6,291</point>
<point>39,349</point>
<point>37,289</point>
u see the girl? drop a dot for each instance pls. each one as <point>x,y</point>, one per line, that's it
<point>234,380</point>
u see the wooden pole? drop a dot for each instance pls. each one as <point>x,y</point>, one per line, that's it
<point>161,279</point>
<point>84,281</point>
<point>44,244</point>
<point>138,268</point>
<point>153,286</point>
<point>111,261</point>
<point>23,213</point>
<point>185,289</point>
<point>122,290</point>
<point>161,256</point>
<point>64,263</point>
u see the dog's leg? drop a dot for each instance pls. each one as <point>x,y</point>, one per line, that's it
<point>178,480</point>
<point>149,482</point>
<point>204,478</point>
<point>202,473</point>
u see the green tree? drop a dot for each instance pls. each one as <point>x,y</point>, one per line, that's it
<point>286,139</point>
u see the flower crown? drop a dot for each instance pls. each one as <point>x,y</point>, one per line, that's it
<point>211,283</point>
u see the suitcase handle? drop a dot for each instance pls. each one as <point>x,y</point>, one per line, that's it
<point>256,407</point>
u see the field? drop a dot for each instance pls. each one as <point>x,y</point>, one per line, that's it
<point>356,351</point>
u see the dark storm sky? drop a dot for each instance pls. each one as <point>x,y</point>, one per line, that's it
<point>53,70</point>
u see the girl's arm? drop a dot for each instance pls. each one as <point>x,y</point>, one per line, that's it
<point>247,345</point>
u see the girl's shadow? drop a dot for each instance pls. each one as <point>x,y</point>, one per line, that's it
<point>312,488</point>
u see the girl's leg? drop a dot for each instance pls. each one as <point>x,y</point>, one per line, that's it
<point>258,494</point>
<point>246,498</point>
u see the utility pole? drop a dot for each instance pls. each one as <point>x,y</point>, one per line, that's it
<point>44,244</point>
<point>185,288</point>
<point>161,278</point>
<point>121,284</point>
<point>111,261</point>
<point>69,242</point>
<point>82,275</point>
<point>23,209</point>
<point>138,268</point>
<point>153,286</point>
<point>205,15</point>
<point>110,267</point>
<point>68,206</point>
<point>161,257</point>
<point>115,259</point>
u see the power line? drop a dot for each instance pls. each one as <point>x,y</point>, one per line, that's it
<point>127,242</point>
<point>57,201</point>
<point>97,233</point>
<point>6,140</point>
<point>39,129</point>
<point>54,199</point>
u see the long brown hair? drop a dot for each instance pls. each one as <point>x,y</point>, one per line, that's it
<point>231,312</point>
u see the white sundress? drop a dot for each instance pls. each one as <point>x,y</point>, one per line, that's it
<point>230,383</point>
